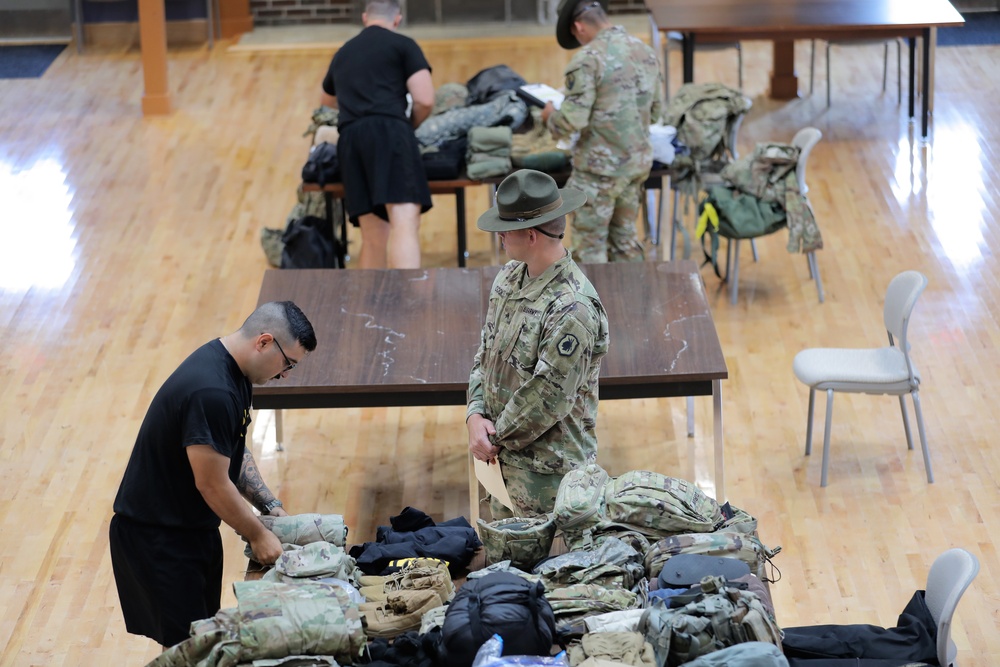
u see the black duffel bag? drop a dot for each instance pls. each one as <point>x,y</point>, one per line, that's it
<point>309,244</point>
<point>322,166</point>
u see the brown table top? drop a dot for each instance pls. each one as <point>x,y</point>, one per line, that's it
<point>408,337</point>
<point>770,19</point>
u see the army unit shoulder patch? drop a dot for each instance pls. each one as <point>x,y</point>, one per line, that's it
<point>567,345</point>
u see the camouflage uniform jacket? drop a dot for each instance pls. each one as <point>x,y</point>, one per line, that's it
<point>769,174</point>
<point>535,375</point>
<point>613,89</point>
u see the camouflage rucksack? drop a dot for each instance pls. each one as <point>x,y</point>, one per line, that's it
<point>522,541</point>
<point>590,503</point>
<point>716,617</point>
<point>579,508</point>
<point>656,504</point>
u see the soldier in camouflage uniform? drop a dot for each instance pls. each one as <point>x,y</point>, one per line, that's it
<point>612,96</point>
<point>532,400</point>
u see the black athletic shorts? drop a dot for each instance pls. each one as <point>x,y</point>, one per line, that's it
<point>166,577</point>
<point>380,164</point>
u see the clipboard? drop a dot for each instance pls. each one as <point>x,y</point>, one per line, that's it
<point>537,94</point>
<point>491,478</point>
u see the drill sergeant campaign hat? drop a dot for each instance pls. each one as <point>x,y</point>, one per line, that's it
<point>567,13</point>
<point>528,198</point>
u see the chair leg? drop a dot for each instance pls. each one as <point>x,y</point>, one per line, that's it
<point>739,64</point>
<point>666,69</point>
<point>812,66</point>
<point>809,424</point>
<point>885,65</point>
<point>814,273</point>
<point>734,278</point>
<point>923,436</point>
<point>899,72</point>
<point>753,249</point>
<point>690,416</point>
<point>826,436</point>
<point>906,423</point>
<point>828,74</point>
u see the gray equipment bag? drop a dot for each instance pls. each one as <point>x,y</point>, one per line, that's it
<point>717,617</point>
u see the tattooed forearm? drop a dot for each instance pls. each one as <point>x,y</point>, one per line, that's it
<point>251,485</point>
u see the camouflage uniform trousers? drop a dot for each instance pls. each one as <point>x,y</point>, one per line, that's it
<point>533,493</point>
<point>604,228</point>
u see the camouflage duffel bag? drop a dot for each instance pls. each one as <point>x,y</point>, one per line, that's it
<point>522,541</point>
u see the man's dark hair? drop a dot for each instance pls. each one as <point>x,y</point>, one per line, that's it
<point>283,319</point>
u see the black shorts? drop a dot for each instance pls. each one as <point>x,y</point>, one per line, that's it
<point>166,577</point>
<point>380,164</point>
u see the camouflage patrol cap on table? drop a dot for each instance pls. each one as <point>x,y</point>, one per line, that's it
<point>528,198</point>
<point>565,21</point>
<point>522,541</point>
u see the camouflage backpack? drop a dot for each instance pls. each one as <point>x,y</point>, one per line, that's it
<point>655,504</point>
<point>579,508</point>
<point>716,617</point>
<point>590,504</point>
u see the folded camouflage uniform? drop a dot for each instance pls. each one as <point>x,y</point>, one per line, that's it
<point>612,563</point>
<point>319,559</point>
<point>273,620</point>
<point>628,648</point>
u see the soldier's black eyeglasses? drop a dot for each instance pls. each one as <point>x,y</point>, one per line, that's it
<point>289,364</point>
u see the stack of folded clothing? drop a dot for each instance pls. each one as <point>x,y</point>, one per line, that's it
<point>488,152</point>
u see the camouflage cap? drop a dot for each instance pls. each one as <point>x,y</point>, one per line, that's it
<point>522,541</point>
<point>528,198</point>
<point>567,14</point>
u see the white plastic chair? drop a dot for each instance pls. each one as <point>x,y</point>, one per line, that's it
<point>949,577</point>
<point>884,370</point>
<point>805,139</point>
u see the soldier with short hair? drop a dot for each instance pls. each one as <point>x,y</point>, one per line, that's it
<point>532,399</point>
<point>612,97</point>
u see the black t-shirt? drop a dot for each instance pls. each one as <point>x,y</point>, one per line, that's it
<point>206,401</point>
<point>368,74</point>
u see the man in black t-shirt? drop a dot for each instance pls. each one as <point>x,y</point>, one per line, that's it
<point>383,174</point>
<point>191,468</point>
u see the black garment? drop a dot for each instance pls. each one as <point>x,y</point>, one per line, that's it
<point>165,544</point>
<point>206,401</point>
<point>381,164</point>
<point>368,74</point>
<point>166,577</point>
<point>379,156</point>
<point>453,541</point>
<point>914,639</point>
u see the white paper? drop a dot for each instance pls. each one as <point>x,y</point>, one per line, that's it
<point>491,478</point>
<point>544,92</point>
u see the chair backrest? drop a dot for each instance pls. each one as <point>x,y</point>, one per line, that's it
<point>950,575</point>
<point>804,140</point>
<point>734,130</point>
<point>900,298</point>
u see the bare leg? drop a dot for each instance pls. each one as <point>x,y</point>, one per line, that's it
<point>404,236</point>
<point>374,239</point>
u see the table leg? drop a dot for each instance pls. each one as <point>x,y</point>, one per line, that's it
<point>720,465</point>
<point>460,217</point>
<point>688,49</point>
<point>926,87</point>
<point>279,430</point>
<point>473,493</point>
<point>912,41</point>
<point>784,83</point>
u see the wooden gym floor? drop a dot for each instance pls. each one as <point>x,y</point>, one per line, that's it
<point>126,242</point>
